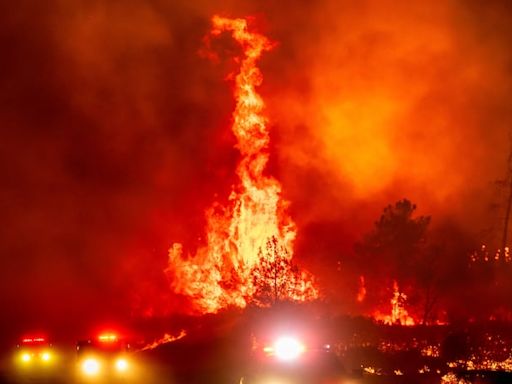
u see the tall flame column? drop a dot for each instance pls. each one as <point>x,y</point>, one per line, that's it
<point>219,275</point>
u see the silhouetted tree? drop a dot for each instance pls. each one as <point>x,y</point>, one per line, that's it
<point>444,272</point>
<point>395,249</point>
<point>429,280</point>
<point>276,278</point>
<point>396,242</point>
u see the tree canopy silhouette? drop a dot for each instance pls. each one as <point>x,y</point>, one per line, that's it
<point>276,279</point>
<point>396,243</point>
<point>395,250</point>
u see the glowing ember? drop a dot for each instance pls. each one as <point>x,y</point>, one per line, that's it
<point>371,371</point>
<point>399,314</point>
<point>484,255</point>
<point>451,378</point>
<point>221,272</point>
<point>431,351</point>
<point>424,369</point>
<point>483,364</point>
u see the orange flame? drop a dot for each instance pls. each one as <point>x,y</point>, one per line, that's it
<point>399,315</point>
<point>167,338</point>
<point>221,273</point>
<point>361,293</point>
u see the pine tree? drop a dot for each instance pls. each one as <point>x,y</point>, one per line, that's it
<point>276,279</point>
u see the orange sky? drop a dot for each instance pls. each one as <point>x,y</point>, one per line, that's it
<point>401,96</point>
<point>116,130</point>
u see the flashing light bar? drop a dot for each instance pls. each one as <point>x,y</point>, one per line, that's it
<point>33,340</point>
<point>107,338</point>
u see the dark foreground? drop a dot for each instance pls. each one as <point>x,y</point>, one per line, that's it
<point>211,378</point>
<point>218,350</point>
<point>202,368</point>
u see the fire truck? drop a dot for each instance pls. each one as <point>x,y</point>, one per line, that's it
<point>35,359</point>
<point>289,359</point>
<point>34,353</point>
<point>105,358</point>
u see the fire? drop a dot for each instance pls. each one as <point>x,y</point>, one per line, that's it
<point>452,378</point>
<point>221,272</point>
<point>399,314</point>
<point>167,338</point>
<point>371,371</point>
<point>484,255</point>
<point>361,293</point>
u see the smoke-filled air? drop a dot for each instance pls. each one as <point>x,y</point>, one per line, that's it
<point>173,157</point>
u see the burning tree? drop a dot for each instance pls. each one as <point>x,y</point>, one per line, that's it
<point>399,315</point>
<point>430,266</point>
<point>220,274</point>
<point>393,250</point>
<point>277,279</point>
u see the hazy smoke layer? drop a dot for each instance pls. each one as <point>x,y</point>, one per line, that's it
<point>115,134</point>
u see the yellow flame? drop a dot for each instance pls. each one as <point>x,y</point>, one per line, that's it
<point>219,275</point>
<point>361,293</point>
<point>399,315</point>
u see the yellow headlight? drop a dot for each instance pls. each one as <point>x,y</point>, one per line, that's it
<point>121,365</point>
<point>90,367</point>
<point>46,356</point>
<point>25,357</point>
<point>287,348</point>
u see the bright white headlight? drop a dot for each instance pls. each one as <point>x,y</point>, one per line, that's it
<point>121,365</point>
<point>25,357</point>
<point>45,356</point>
<point>288,348</point>
<point>90,367</point>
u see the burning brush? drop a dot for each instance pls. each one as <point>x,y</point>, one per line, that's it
<point>221,272</point>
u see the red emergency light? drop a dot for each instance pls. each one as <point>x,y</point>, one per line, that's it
<point>107,338</point>
<point>32,340</point>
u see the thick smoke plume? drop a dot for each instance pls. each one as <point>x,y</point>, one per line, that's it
<point>114,140</point>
